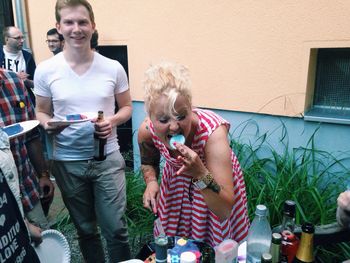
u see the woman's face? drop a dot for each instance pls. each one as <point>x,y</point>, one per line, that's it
<point>165,124</point>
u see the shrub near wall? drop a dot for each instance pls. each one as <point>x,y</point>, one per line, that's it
<point>312,178</point>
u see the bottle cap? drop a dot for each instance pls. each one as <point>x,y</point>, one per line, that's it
<point>181,242</point>
<point>308,228</point>
<point>289,208</point>
<point>276,238</point>
<point>161,240</point>
<point>266,257</point>
<point>261,210</point>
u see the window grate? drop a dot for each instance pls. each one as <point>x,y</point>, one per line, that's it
<point>332,86</point>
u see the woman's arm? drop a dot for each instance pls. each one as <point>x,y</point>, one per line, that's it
<point>150,158</point>
<point>220,195</point>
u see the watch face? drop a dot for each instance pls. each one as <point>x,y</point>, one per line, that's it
<point>200,184</point>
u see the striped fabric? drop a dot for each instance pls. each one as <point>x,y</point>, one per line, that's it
<point>182,210</point>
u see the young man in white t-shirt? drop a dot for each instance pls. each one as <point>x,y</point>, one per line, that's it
<point>79,80</point>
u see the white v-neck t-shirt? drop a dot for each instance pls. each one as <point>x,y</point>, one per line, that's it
<point>75,94</point>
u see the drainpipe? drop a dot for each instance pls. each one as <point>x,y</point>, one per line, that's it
<point>21,21</point>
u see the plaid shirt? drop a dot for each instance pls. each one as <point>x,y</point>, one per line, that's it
<point>16,106</point>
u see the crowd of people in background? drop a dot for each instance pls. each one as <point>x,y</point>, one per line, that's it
<point>201,176</point>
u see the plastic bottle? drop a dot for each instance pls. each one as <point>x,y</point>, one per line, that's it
<point>290,241</point>
<point>259,235</point>
<point>305,253</point>
<point>100,144</point>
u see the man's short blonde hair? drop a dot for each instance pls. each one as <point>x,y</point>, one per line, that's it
<point>60,4</point>
<point>166,79</point>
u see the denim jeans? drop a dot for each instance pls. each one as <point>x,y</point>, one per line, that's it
<point>95,192</point>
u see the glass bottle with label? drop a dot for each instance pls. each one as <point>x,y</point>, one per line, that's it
<point>305,253</point>
<point>290,241</point>
<point>259,235</point>
<point>99,144</point>
<point>275,249</point>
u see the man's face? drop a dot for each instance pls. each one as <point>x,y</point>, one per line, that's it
<point>54,43</point>
<point>76,27</point>
<point>14,41</point>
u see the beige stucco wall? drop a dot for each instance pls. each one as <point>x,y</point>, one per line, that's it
<point>250,56</point>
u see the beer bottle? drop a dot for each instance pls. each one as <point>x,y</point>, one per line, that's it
<point>305,253</point>
<point>99,144</point>
<point>276,247</point>
<point>290,241</point>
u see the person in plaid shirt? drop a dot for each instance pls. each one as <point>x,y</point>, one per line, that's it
<point>16,106</point>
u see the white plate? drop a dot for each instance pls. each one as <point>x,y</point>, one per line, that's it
<point>54,248</point>
<point>25,125</point>
<point>63,122</point>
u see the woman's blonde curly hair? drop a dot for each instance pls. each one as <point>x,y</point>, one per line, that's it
<point>166,79</point>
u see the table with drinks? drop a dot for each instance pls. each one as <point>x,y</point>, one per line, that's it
<point>263,244</point>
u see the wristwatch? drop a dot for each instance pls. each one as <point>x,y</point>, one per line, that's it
<point>206,181</point>
<point>203,182</point>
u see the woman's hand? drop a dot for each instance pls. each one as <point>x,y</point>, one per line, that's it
<point>150,196</point>
<point>192,164</point>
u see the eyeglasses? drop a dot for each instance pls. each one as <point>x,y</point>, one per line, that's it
<point>18,38</point>
<point>52,41</point>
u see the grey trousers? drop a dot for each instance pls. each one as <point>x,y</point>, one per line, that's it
<point>95,192</point>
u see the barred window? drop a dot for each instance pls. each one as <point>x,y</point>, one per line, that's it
<point>331,98</point>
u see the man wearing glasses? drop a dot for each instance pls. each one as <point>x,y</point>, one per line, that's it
<point>14,58</point>
<point>54,41</point>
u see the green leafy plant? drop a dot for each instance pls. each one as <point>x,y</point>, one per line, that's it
<point>139,219</point>
<point>310,177</point>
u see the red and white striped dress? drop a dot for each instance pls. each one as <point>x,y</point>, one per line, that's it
<point>181,208</point>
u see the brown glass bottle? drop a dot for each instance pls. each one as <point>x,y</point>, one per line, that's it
<point>305,253</point>
<point>99,144</point>
<point>290,242</point>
